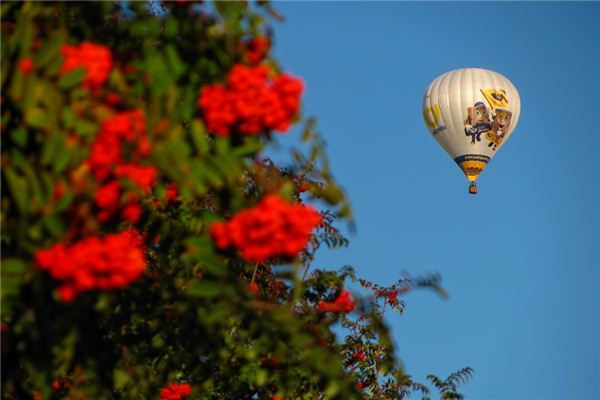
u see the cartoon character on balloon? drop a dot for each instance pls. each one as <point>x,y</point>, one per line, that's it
<point>477,122</point>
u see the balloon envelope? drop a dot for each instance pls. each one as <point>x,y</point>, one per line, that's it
<point>471,113</point>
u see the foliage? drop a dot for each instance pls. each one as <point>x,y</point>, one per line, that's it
<point>198,315</point>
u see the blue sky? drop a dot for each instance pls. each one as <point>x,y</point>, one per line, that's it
<point>521,259</point>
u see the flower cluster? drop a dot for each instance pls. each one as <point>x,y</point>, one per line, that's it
<point>111,262</point>
<point>108,167</point>
<point>273,228</point>
<point>125,127</point>
<point>343,304</point>
<point>96,59</point>
<point>175,391</point>
<point>256,49</point>
<point>251,102</point>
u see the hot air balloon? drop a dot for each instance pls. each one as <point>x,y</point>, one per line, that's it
<point>471,113</point>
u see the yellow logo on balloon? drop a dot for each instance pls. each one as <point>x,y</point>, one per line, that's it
<point>495,97</point>
<point>431,117</point>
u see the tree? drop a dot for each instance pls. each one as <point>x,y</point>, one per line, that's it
<point>149,248</point>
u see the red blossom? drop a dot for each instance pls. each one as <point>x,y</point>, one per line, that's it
<point>171,193</point>
<point>26,66</point>
<point>96,59</point>
<point>392,297</point>
<point>143,176</point>
<point>112,99</point>
<point>58,385</point>
<point>303,187</point>
<point>359,355</point>
<point>273,228</point>
<point>108,167</point>
<point>253,288</point>
<point>115,131</point>
<point>59,191</point>
<point>175,391</point>
<point>343,304</point>
<point>251,102</point>
<point>256,49</point>
<point>108,196</point>
<point>131,212</point>
<point>110,262</point>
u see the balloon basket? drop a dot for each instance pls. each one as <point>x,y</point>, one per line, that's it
<point>473,188</point>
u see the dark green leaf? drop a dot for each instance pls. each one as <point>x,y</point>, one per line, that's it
<point>72,78</point>
<point>203,288</point>
<point>19,136</point>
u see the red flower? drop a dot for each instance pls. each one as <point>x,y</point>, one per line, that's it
<point>143,177</point>
<point>250,102</point>
<point>59,191</point>
<point>343,304</point>
<point>96,59</point>
<point>303,187</point>
<point>171,192</point>
<point>115,131</point>
<point>175,391</point>
<point>26,65</point>
<point>392,297</point>
<point>113,261</point>
<point>253,287</point>
<point>256,49</point>
<point>132,212</point>
<point>107,164</point>
<point>112,99</point>
<point>273,228</point>
<point>109,195</point>
<point>359,356</point>
<point>58,385</point>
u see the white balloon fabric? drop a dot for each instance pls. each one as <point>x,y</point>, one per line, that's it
<point>471,113</point>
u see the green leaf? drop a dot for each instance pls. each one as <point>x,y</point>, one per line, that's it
<point>204,288</point>
<point>251,147</point>
<point>199,137</point>
<point>53,225</point>
<point>68,117</point>
<point>72,78</point>
<point>17,187</point>
<point>146,28</point>
<point>64,202</point>
<point>171,27</point>
<point>13,266</point>
<point>230,9</point>
<point>222,145</point>
<point>38,198</point>
<point>61,159</point>
<point>52,146</point>
<point>121,378</point>
<point>12,269</point>
<point>51,49</point>
<point>37,117</point>
<point>19,136</point>
<point>208,174</point>
<point>177,66</point>
<point>17,86</point>
<point>261,377</point>
<point>85,128</point>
